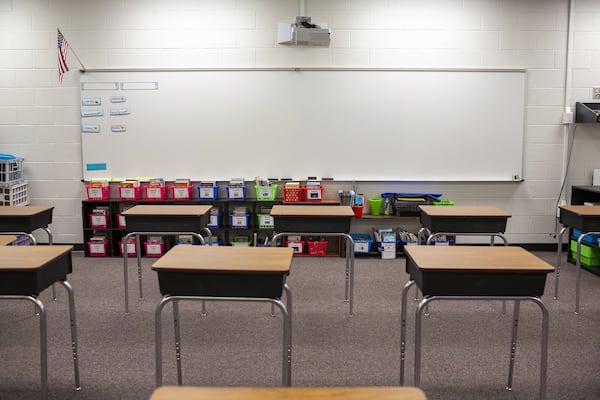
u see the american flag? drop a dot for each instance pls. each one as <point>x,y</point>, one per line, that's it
<point>63,46</point>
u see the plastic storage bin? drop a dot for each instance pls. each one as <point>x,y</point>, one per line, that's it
<point>131,251</point>
<point>239,221</point>
<point>317,248</point>
<point>297,246</point>
<point>592,239</point>
<point>265,221</point>
<point>208,192</point>
<point>98,193</point>
<point>154,249</point>
<point>130,193</point>
<point>155,193</point>
<point>590,256</point>
<point>179,193</point>
<point>293,195</point>
<point>314,194</point>
<point>14,195</point>
<point>98,221</point>
<point>236,192</point>
<point>362,242</point>
<point>97,249</point>
<point>266,193</point>
<point>11,171</point>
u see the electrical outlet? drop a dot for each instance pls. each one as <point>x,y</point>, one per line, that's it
<point>596,93</point>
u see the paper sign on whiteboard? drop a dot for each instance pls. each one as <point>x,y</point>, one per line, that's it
<point>90,128</point>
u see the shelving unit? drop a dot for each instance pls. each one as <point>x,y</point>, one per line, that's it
<point>225,232</point>
<point>579,196</point>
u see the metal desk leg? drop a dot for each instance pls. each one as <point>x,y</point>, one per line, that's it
<point>74,346</point>
<point>558,262</point>
<point>418,321</point>
<point>138,251</point>
<point>513,345</point>
<point>178,341</point>
<point>403,329</point>
<point>350,272</point>
<point>158,339</point>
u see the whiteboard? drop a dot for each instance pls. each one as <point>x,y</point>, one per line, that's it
<point>346,124</point>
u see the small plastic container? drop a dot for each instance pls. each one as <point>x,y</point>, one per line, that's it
<point>97,249</point>
<point>98,193</point>
<point>236,192</point>
<point>293,195</point>
<point>266,193</point>
<point>208,192</point>
<point>155,193</point>
<point>318,248</point>
<point>130,193</point>
<point>98,221</point>
<point>179,193</point>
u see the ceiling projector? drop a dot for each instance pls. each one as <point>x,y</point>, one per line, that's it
<point>303,33</point>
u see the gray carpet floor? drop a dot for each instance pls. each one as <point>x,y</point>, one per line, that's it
<point>465,344</point>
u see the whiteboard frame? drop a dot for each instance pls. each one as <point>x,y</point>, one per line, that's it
<point>514,175</point>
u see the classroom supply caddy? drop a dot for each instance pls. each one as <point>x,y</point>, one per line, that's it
<point>208,190</point>
<point>155,190</point>
<point>293,194</point>
<point>265,219</point>
<point>181,193</point>
<point>98,190</point>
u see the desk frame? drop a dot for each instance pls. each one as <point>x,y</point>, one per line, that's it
<point>287,330</point>
<point>43,335</point>
<point>349,244</point>
<point>139,256</point>
<point>418,328</point>
<point>577,264</point>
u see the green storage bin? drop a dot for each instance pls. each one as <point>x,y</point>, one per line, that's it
<point>590,256</point>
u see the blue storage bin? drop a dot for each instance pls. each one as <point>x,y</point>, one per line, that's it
<point>237,221</point>
<point>362,242</point>
<point>592,239</point>
<point>207,192</point>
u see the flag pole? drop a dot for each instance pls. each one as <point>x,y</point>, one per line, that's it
<point>73,51</point>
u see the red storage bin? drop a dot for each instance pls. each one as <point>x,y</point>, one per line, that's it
<point>154,193</point>
<point>317,248</point>
<point>98,193</point>
<point>98,221</point>
<point>294,195</point>
<point>130,193</point>
<point>179,193</point>
<point>97,249</point>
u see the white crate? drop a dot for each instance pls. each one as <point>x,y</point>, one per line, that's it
<point>14,195</point>
<point>11,171</point>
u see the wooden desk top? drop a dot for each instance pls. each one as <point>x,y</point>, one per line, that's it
<point>464,211</point>
<point>7,239</point>
<point>22,211</point>
<point>233,259</point>
<point>476,258</point>
<point>584,211</point>
<point>177,210</point>
<point>311,211</point>
<point>29,258</point>
<point>287,393</point>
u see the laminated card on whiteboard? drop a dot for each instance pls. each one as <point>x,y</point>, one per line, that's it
<point>91,101</point>
<point>119,111</point>
<point>92,113</point>
<point>118,99</point>
<point>90,128</point>
<point>118,128</point>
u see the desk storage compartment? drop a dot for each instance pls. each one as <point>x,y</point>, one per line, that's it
<point>464,225</point>
<point>178,283</point>
<point>476,283</point>
<point>584,223</point>
<point>307,224</point>
<point>166,223</point>
<point>35,281</point>
<point>27,223</point>
<point>587,112</point>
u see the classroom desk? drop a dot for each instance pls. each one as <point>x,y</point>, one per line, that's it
<point>586,219</point>
<point>224,273</point>
<point>463,220</point>
<point>25,271</point>
<point>292,393</point>
<point>26,219</point>
<point>7,239</point>
<point>475,273</point>
<point>164,220</point>
<point>319,220</point>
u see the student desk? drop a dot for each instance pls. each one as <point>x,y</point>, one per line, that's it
<point>25,271</point>
<point>292,393</point>
<point>475,273</point>
<point>463,220</point>
<point>224,273</point>
<point>586,219</point>
<point>7,239</point>
<point>160,219</point>
<point>26,219</point>
<point>321,220</point>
